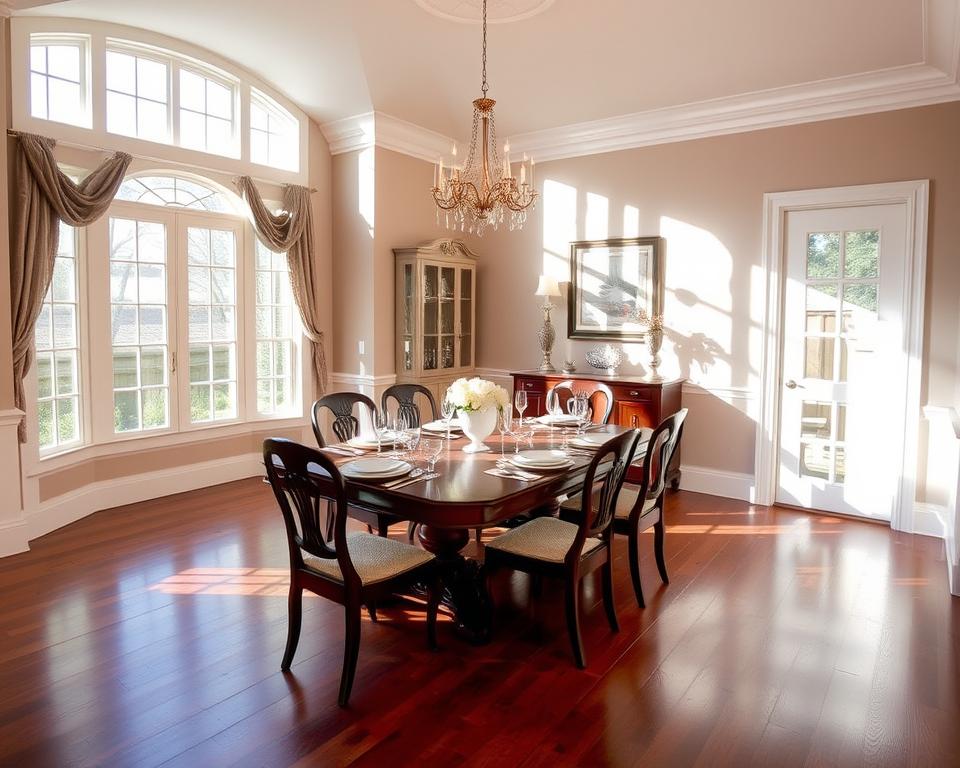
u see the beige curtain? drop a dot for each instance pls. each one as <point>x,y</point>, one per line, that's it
<point>43,196</point>
<point>292,231</point>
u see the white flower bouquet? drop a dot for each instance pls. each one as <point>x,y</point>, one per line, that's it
<point>477,394</point>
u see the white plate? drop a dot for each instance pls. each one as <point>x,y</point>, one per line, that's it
<point>367,443</point>
<point>542,458</point>
<point>551,467</point>
<point>376,465</point>
<point>592,439</point>
<point>440,426</point>
<point>350,470</point>
<point>563,418</point>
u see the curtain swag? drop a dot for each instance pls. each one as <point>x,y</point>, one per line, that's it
<point>291,230</point>
<point>41,198</point>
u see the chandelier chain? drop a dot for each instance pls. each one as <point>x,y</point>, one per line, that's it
<point>483,86</point>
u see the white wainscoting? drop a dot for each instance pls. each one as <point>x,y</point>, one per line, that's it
<point>717,482</point>
<point>13,529</point>
<point>104,494</point>
<point>943,464</point>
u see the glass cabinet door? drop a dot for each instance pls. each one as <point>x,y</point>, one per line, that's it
<point>466,318</point>
<point>448,277</point>
<point>406,313</point>
<point>431,317</point>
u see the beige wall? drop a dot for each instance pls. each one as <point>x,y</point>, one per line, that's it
<point>6,340</point>
<point>705,197</point>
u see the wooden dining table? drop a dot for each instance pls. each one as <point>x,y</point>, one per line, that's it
<point>464,497</point>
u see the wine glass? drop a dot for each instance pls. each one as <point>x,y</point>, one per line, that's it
<point>447,410</point>
<point>505,425</point>
<point>381,425</point>
<point>520,399</point>
<point>431,449</point>
<point>579,407</point>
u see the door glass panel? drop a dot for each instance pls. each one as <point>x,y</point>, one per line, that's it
<point>815,460</point>
<point>823,254</point>
<point>841,422</point>
<point>861,254</point>
<point>446,316</point>
<point>815,420</point>
<point>822,308</point>
<point>429,353</point>
<point>818,357</point>
<point>446,351</point>
<point>407,317</point>
<point>840,471</point>
<point>859,306</point>
<point>447,277</point>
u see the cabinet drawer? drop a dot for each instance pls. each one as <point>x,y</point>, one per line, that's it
<point>636,393</point>
<point>531,385</point>
<point>635,415</point>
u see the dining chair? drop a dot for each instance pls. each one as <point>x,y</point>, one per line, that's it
<point>346,425</point>
<point>640,508</point>
<point>405,396</point>
<point>595,387</point>
<point>353,569</point>
<point>549,546</point>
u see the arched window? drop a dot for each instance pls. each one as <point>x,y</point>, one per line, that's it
<point>174,192</point>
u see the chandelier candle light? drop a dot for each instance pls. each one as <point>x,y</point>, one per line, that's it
<point>484,193</point>
<point>547,288</point>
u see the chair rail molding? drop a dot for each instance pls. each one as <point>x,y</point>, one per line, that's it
<point>914,196</point>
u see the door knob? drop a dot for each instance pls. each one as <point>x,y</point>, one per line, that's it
<point>790,384</point>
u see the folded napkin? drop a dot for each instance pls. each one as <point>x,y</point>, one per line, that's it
<point>512,474</point>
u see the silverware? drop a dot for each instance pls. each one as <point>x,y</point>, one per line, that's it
<point>339,451</point>
<point>396,484</point>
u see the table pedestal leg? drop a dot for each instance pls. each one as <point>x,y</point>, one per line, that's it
<point>465,589</point>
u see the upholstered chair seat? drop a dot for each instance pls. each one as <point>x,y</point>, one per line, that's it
<point>543,538</point>
<point>375,558</point>
<point>625,503</point>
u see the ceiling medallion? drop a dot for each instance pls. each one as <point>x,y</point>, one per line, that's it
<point>470,11</point>
<point>483,193</point>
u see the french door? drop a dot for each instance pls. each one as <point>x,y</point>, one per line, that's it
<point>844,368</point>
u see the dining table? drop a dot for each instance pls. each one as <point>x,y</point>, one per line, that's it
<point>463,496</point>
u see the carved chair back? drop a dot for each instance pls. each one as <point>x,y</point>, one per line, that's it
<point>405,396</point>
<point>601,397</point>
<point>345,424</point>
<point>302,479</point>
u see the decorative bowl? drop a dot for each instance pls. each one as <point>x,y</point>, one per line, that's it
<point>605,358</point>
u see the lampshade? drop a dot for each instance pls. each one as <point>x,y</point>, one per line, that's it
<point>547,287</point>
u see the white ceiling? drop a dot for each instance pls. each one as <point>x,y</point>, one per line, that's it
<point>573,61</point>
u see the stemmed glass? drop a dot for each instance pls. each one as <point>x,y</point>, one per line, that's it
<point>520,399</point>
<point>505,425</point>
<point>381,425</point>
<point>579,408</point>
<point>447,411</point>
<point>431,449</point>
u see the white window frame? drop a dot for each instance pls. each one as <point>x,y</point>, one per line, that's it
<point>274,111</point>
<point>83,43</point>
<point>144,43</point>
<point>126,48</point>
<point>221,78</point>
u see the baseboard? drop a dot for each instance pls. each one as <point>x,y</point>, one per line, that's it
<point>716,482</point>
<point>929,520</point>
<point>104,494</point>
<point>13,538</point>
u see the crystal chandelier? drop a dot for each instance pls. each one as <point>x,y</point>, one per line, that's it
<point>484,193</point>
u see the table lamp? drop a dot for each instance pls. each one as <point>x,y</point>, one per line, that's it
<point>547,288</point>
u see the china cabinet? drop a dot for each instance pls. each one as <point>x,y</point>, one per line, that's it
<point>436,313</point>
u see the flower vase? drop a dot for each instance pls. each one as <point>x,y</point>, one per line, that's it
<point>478,426</point>
<point>654,340</point>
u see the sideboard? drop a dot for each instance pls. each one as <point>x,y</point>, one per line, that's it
<point>637,402</point>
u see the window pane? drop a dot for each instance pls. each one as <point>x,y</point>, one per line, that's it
<point>200,402</point>
<point>151,243</point>
<point>222,286</point>
<point>64,101</point>
<point>44,375</point>
<point>63,286</point>
<point>46,435</point>
<point>126,411</point>
<point>224,401</point>
<point>219,136</point>
<point>219,101</point>
<point>38,96</point>
<point>153,366</point>
<point>815,460</point>
<point>222,247</point>
<point>153,283</point>
<point>152,80</point>
<point>64,61</point>
<point>819,358</point>
<point>68,427</point>
<point>192,91</point>
<point>823,254</point>
<point>125,368</point>
<point>66,367</point>
<point>198,245</point>
<point>43,335</point>
<point>280,358</point>
<point>199,323</point>
<point>123,282</point>
<point>121,114</point>
<point>153,325</point>
<point>192,130</point>
<point>152,121</point>
<point>815,420</point>
<point>259,148</point>
<point>199,363</point>
<point>64,325</point>
<point>822,308</point>
<point>859,307</point>
<point>123,245</point>
<point>198,285</point>
<point>264,364</point>
<point>123,325</point>
<point>155,408</point>
<point>38,58</point>
<point>264,396</point>
<point>121,72</point>
<point>222,324</point>
<point>223,362</point>
<point>862,256</point>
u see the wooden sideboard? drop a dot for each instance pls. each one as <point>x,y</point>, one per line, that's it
<point>637,402</point>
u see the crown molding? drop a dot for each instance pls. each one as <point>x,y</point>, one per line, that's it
<point>6,10</point>
<point>899,88</point>
<point>388,132</point>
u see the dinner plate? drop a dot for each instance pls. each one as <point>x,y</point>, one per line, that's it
<point>550,467</point>
<point>367,443</point>
<point>542,459</point>
<point>440,426</point>
<point>557,419</point>
<point>377,465</point>
<point>359,469</point>
<point>591,439</point>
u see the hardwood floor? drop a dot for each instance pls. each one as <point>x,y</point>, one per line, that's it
<point>152,634</point>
